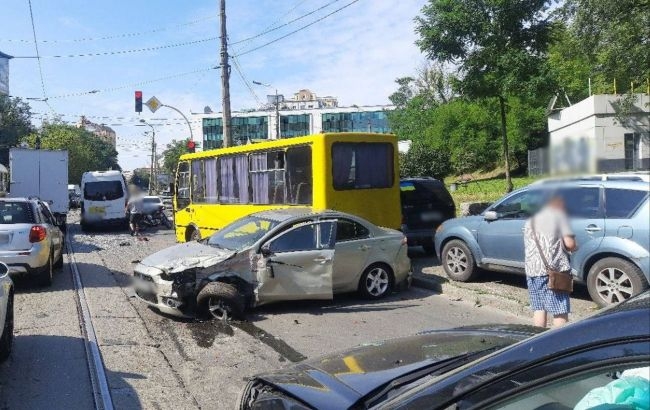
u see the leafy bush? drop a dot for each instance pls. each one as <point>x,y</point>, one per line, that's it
<point>423,161</point>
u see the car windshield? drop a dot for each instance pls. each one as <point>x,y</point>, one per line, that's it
<point>103,190</point>
<point>242,233</point>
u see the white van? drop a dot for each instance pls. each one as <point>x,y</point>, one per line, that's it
<point>104,198</point>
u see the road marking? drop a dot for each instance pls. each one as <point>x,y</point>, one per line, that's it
<point>101,392</point>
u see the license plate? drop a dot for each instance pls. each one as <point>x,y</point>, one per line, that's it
<point>97,210</point>
<point>141,284</point>
<point>431,216</point>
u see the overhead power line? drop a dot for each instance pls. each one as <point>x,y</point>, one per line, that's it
<point>297,30</point>
<point>275,28</point>
<point>113,36</point>
<point>118,52</point>
<point>126,86</point>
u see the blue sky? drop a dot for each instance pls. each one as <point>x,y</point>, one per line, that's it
<point>355,55</point>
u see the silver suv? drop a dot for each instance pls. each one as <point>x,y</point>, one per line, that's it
<point>610,217</point>
<point>31,243</point>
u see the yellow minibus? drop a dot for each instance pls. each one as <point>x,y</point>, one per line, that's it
<point>356,173</point>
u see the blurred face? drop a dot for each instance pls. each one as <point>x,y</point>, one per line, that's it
<point>556,202</point>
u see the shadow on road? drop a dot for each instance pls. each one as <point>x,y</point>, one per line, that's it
<point>45,372</point>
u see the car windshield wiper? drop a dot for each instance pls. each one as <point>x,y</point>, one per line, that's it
<point>436,368</point>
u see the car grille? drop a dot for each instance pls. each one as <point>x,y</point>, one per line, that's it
<point>148,296</point>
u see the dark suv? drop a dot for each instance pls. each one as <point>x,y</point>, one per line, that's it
<point>426,204</point>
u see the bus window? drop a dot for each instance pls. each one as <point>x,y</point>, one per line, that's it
<point>198,181</point>
<point>210,168</point>
<point>267,177</point>
<point>183,185</point>
<point>299,178</point>
<point>233,179</point>
<point>362,165</point>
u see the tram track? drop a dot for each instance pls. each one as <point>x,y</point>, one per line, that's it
<point>97,373</point>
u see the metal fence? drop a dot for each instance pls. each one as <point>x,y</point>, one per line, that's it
<point>538,163</point>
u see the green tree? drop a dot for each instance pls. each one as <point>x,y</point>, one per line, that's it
<point>14,124</point>
<point>423,161</point>
<point>615,38</point>
<point>86,152</point>
<point>172,153</point>
<point>498,46</point>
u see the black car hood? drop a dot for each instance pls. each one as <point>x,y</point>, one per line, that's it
<point>340,380</point>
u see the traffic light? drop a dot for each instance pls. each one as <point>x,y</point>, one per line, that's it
<point>138,101</point>
<point>191,146</point>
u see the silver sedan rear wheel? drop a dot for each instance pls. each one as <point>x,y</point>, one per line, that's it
<point>376,281</point>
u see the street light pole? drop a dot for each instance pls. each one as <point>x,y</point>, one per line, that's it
<point>182,115</point>
<point>152,175</point>
<point>277,108</point>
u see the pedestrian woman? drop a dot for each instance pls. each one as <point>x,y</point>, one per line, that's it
<point>548,239</point>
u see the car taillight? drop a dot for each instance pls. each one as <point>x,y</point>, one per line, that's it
<point>37,234</point>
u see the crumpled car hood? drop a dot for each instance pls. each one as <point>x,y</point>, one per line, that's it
<point>186,256</point>
<point>340,380</point>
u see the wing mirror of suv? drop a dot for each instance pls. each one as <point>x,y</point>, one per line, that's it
<point>4,270</point>
<point>490,216</point>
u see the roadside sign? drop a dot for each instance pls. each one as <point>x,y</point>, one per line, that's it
<point>153,103</point>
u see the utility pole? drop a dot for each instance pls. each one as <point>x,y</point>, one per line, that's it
<point>152,169</point>
<point>225,79</point>
<point>277,116</point>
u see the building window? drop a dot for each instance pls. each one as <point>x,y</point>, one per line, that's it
<point>249,128</point>
<point>212,133</point>
<point>362,165</point>
<point>360,121</point>
<point>294,125</point>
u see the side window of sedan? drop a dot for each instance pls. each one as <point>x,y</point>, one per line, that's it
<point>347,230</point>
<point>302,238</point>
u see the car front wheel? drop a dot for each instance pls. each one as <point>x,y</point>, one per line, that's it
<point>221,301</point>
<point>457,261</point>
<point>613,280</point>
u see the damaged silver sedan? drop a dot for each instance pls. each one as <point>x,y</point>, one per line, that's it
<point>270,256</point>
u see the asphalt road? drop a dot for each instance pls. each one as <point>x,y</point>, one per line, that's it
<point>154,361</point>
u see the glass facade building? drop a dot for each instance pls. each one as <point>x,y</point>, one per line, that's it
<point>294,125</point>
<point>243,129</point>
<point>358,121</point>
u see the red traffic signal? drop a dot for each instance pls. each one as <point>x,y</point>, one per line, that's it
<point>191,146</point>
<point>138,101</point>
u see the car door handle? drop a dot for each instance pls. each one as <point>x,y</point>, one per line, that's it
<point>592,228</point>
<point>364,247</point>
<point>322,260</point>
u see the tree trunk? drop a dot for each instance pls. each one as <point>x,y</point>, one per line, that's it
<point>504,134</point>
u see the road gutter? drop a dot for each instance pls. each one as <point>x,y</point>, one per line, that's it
<point>101,392</point>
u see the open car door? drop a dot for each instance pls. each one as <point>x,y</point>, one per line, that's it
<point>297,263</point>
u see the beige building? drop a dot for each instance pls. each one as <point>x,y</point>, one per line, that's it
<point>102,131</point>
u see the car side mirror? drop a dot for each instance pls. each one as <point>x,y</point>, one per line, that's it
<point>265,250</point>
<point>4,270</point>
<point>490,216</point>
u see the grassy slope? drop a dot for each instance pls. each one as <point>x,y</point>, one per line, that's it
<point>484,188</point>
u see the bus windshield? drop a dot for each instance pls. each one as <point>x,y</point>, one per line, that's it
<point>242,233</point>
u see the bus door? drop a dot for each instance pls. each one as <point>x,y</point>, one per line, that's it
<point>182,202</point>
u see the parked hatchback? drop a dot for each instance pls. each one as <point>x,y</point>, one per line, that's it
<point>271,256</point>
<point>610,218</point>
<point>426,204</point>
<point>31,243</point>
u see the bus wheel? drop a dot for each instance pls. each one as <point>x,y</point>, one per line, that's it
<point>193,235</point>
